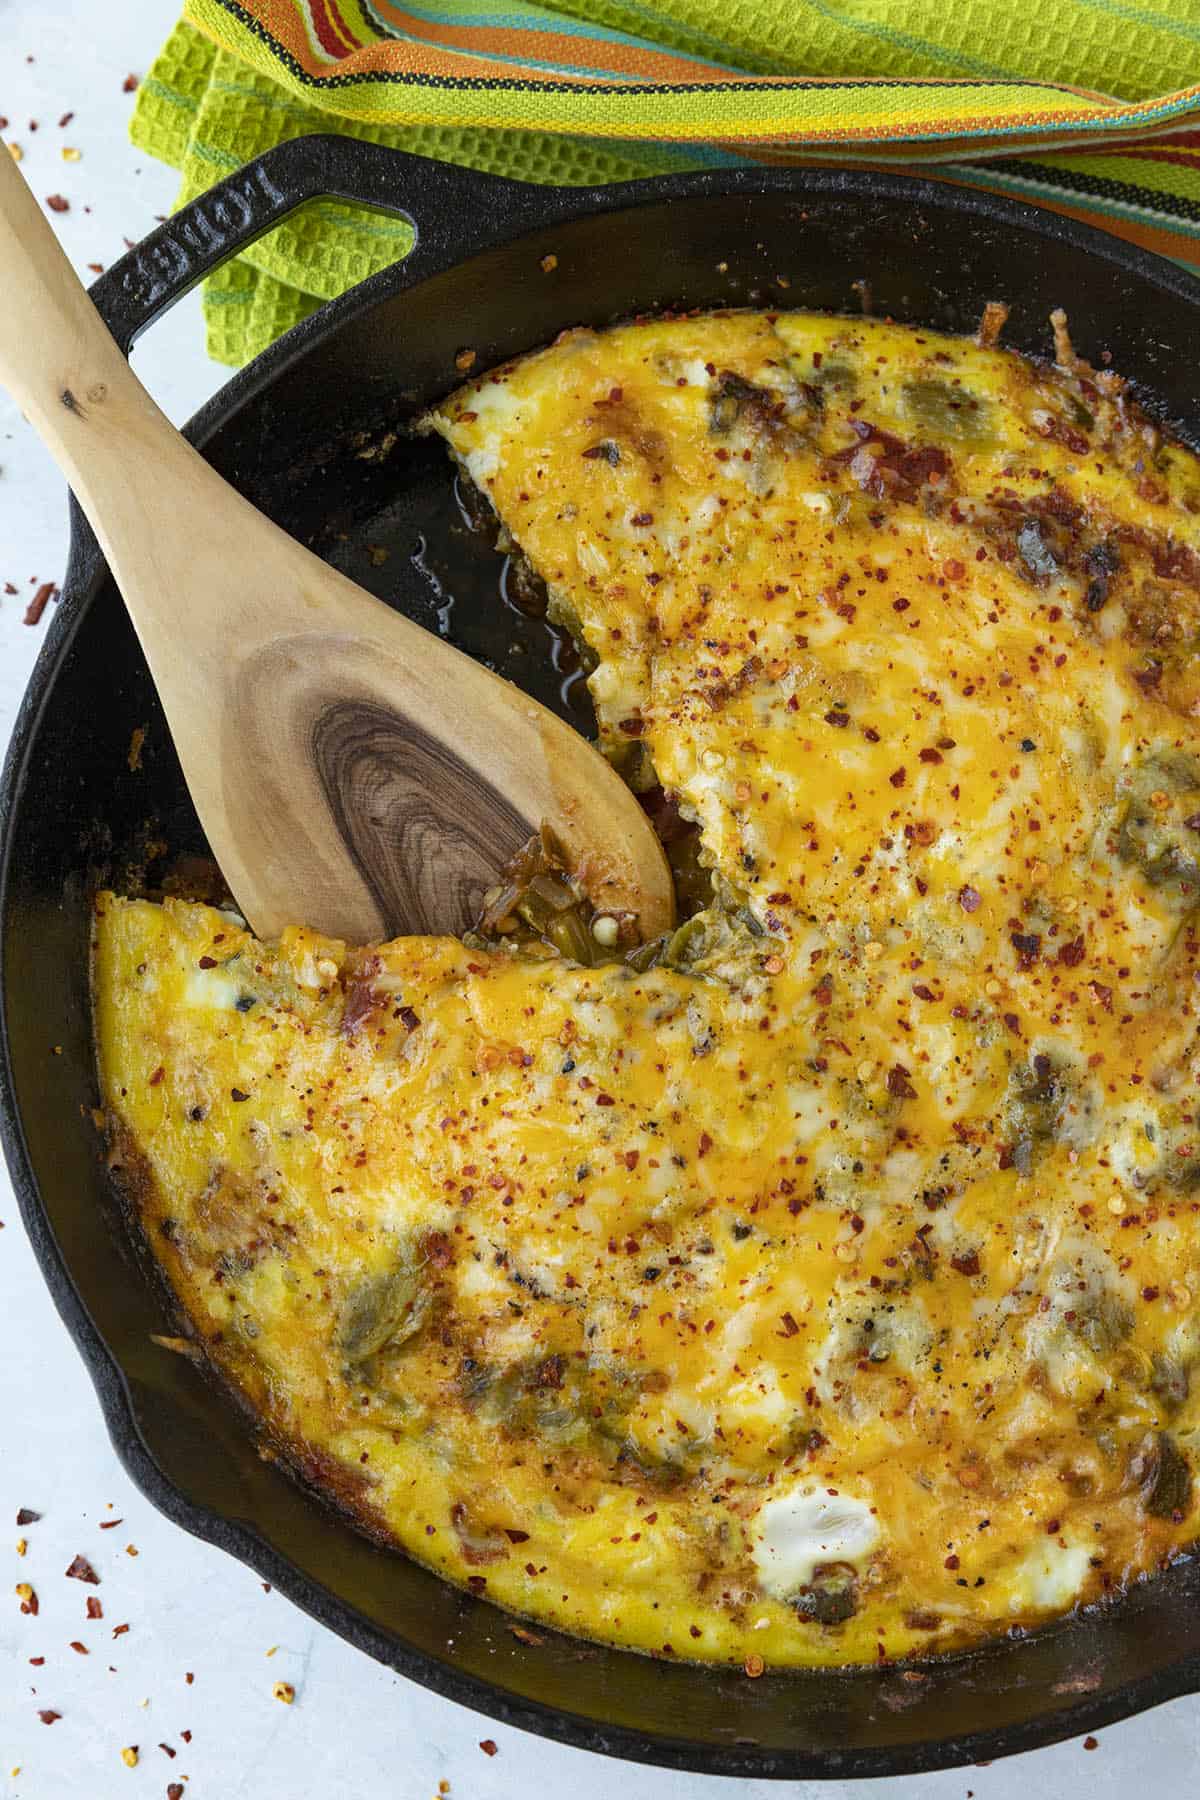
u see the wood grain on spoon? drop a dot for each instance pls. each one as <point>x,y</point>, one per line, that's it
<point>352,772</point>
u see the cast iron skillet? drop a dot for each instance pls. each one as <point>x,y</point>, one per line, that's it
<point>291,431</point>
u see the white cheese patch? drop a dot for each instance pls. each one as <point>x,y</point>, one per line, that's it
<point>1050,1577</point>
<point>796,1532</point>
<point>212,988</point>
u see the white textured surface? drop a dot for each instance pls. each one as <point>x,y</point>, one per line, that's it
<point>354,1729</point>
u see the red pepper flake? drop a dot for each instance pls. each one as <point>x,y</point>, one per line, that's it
<point>477,1583</point>
<point>1053,1527</point>
<point>705,1144</point>
<point>174,1790</point>
<point>207,962</point>
<point>897,777</point>
<point>82,1570</point>
<point>188,1678</point>
<point>36,1662</point>
<point>48,1715</point>
<point>514,1536</point>
<point>969,899</point>
<point>237,1094</point>
<point>642,518</point>
<point>120,1630</point>
<point>790,1327</point>
<point>186,1735</point>
<point>157,1076</point>
<point>10,587</point>
<point>1091,1743</point>
<point>489,1746</point>
<point>951,1562</point>
<point>923,992</point>
<point>1149,1293</point>
<point>839,719</point>
<point>110,1524</point>
<point>168,1751</point>
<point>605,1100</point>
<point>78,1648</point>
<point>41,599</point>
<point>94,1608</point>
<point>899,1083</point>
<point>931,756</point>
<point>966,1265</point>
<point>130,84</point>
<point>58,203</point>
<point>28,1598</point>
<point>632,727</point>
<point>27,1516</point>
<point>1071,955</point>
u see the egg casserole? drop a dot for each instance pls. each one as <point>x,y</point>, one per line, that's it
<point>820,1284</point>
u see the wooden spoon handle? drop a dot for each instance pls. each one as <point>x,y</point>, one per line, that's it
<point>71,380</point>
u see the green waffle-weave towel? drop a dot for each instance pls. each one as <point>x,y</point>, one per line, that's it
<point>1091,107</point>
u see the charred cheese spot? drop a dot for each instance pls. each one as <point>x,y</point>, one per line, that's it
<point>829,1280</point>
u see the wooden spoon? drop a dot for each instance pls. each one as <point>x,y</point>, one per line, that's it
<point>352,771</point>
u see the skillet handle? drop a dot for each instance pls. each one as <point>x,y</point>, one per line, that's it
<point>448,207</point>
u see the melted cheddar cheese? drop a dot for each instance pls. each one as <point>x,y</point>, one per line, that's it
<point>830,1289</point>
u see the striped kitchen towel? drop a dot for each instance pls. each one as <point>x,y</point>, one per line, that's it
<point>1090,107</point>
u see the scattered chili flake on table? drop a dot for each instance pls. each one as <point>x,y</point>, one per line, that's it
<point>110,1524</point>
<point>168,1751</point>
<point>28,1599</point>
<point>78,1648</point>
<point>120,1630</point>
<point>283,1690</point>
<point>131,1549</point>
<point>82,1570</point>
<point>189,1678</point>
<point>41,599</point>
<point>65,120</point>
<point>58,203</point>
<point>174,1790</point>
<point>48,1715</point>
<point>489,1746</point>
<point>1091,1743</point>
<point>130,84</point>
<point>94,1608</point>
<point>26,1514</point>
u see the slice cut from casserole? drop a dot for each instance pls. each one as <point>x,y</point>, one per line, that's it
<point>832,1289</point>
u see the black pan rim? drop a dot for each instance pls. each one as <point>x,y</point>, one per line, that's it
<point>544,207</point>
